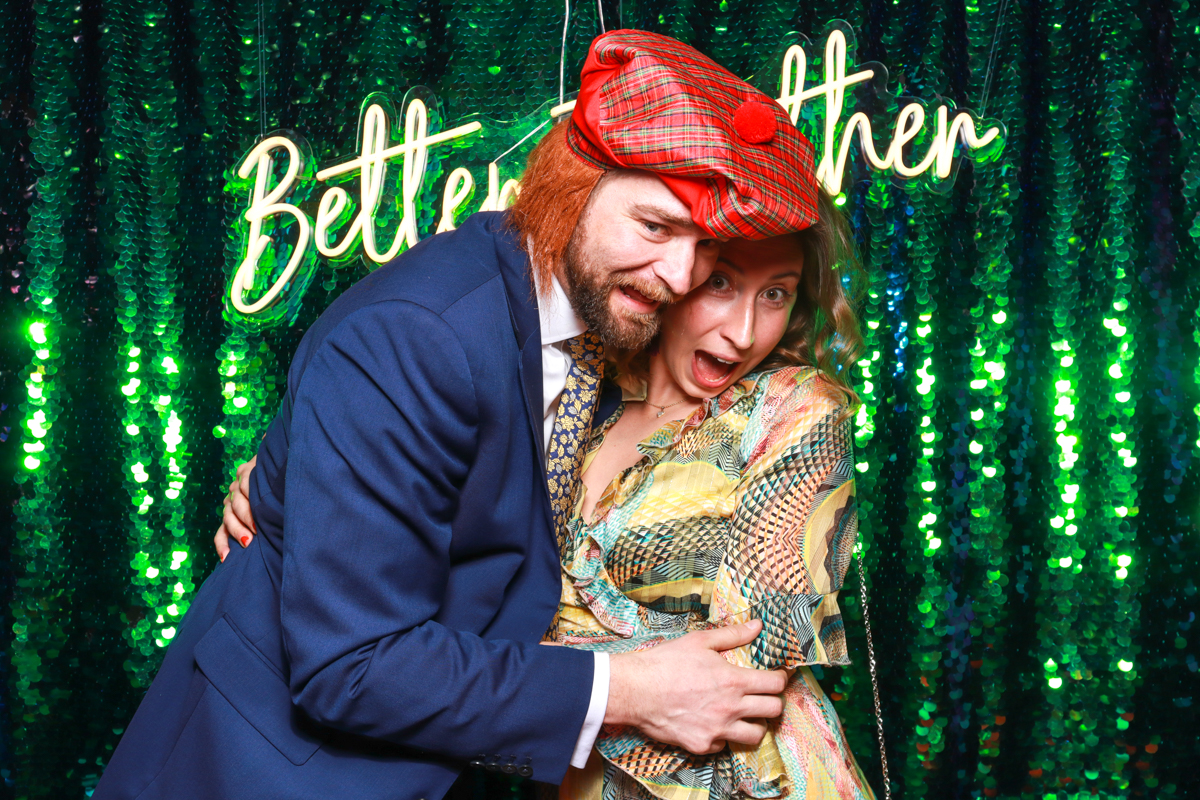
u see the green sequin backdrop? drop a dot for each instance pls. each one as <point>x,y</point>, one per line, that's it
<point>1026,449</point>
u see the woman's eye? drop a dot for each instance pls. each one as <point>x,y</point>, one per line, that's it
<point>718,282</point>
<point>775,295</point>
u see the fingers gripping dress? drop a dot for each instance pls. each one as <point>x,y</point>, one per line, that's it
<point>743,511</point>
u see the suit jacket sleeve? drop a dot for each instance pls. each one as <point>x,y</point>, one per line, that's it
<point>382,438</point>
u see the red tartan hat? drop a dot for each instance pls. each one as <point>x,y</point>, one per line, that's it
<point>726,149</point>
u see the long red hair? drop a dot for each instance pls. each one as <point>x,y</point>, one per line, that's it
<point>554,193</point>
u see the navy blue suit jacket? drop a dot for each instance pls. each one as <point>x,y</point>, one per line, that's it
<point>381,630</point>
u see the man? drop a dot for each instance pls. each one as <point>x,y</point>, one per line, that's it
<point>381,632</point>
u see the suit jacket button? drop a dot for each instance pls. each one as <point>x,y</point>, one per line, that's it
<point>509,769</point>
<point>525,771</point>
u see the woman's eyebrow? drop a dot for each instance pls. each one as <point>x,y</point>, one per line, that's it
<point>731,265</point>
<point>788,274</point>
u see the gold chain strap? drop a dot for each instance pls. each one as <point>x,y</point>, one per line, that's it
<point>862,585</point>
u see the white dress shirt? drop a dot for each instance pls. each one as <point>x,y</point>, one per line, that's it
<point>559,322</point>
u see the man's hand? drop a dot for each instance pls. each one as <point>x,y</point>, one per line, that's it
<point>237,522</point>
<point>685,693</point>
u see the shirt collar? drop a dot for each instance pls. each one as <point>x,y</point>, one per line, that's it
<point>559,321</point>
<point>632,389</point>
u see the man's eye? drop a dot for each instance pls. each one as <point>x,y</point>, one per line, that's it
<point>653,227</point>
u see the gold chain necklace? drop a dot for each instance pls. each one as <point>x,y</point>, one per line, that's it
<point>663,409</point>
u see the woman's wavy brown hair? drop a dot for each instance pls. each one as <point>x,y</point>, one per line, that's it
<point>823,331</point>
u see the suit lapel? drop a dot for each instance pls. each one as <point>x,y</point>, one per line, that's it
<point>523,311</point>
<point>531,383</point>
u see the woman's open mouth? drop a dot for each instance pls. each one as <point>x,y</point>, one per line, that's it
<point>711,371</point>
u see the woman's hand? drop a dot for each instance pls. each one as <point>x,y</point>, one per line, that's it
<point>237,521</point>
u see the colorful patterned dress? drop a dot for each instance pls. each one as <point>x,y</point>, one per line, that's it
<point>745,510</point>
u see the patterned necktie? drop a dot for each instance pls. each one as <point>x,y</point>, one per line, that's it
<point>573,427</point>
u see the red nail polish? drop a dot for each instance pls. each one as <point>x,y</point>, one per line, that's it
<point>222,558</point>
<point>245,540</point>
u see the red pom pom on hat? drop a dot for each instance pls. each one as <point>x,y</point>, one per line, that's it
<point>755,122</point>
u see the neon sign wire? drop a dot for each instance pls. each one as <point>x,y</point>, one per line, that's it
<point>278,174</point>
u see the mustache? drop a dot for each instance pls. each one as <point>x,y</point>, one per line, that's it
<point>655,291</point>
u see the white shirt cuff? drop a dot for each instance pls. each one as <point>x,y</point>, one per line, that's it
<point>595,713</point>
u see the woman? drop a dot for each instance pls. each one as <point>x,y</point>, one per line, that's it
<point>721,491</point>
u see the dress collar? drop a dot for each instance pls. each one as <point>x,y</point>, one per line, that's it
<point>669,435</point>
<point>656,445</point>
<point>635,390</point>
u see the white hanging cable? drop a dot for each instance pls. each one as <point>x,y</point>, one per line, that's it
<point>562,59</point>
<point>600,11</point>
<point>991,62</point>
<point>562,65</point>
<point>524,138</point>
<point>262,73</point>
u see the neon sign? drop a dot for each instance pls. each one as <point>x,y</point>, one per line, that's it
<point>371,168</point>
<point>285,234</point>
<point>909,123</point>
